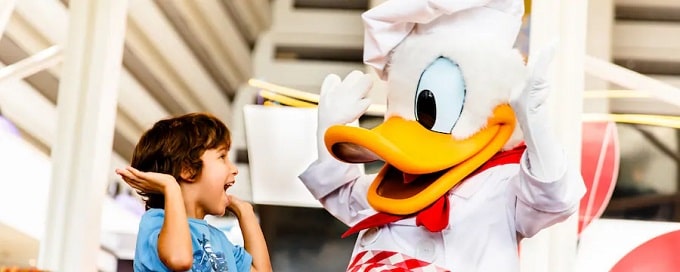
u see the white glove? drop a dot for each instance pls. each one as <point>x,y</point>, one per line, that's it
<point>341,102</point>
<point>546,159</point>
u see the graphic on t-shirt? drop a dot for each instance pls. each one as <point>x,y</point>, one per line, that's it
<point>205,260</point>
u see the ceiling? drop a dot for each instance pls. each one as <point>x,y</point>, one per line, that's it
<point>179,56</point>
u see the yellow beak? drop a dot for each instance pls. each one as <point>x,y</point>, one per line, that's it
<point>420,165</point>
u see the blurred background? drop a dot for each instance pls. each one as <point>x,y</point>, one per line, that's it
<point>181,56</point>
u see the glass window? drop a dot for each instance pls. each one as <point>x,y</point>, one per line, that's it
<point>647,184</point>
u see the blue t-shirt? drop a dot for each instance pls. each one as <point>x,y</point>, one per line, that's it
<point>212,250</point>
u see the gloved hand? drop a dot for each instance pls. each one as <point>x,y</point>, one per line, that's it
<point>341,102</point>
<point>546,157</point>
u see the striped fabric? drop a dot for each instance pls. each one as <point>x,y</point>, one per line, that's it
<point>389,261</point>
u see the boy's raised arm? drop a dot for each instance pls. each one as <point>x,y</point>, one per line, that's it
<point>174,240</point>
<point>252,234</point>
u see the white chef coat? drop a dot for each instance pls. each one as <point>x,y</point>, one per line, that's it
<point>489,212</point>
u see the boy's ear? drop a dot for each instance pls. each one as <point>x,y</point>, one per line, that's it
<point>188,174</point>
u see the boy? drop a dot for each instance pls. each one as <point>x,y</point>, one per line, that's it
<point>180,166</point>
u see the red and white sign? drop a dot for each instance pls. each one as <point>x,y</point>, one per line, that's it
<point>599,168</point>
<point>617,245</point>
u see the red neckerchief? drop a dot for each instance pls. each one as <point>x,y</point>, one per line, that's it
<point>436,216</point>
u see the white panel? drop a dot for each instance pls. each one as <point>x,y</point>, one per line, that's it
<point>655,41</point>
<point>279,150</point>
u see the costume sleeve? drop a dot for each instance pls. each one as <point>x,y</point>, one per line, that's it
<point>243,259</point>
<point>542,203</point>
<point>146,254</point>
<point>340,187</point>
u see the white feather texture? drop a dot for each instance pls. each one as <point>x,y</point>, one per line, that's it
<point>491,72</point>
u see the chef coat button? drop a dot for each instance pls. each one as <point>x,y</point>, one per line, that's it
<point>425,250</point>
<point>370,236</point>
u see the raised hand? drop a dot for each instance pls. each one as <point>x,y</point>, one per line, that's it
<point>341,102</point>
<point>545,156</point>
<point>535,92</point>
<point>147,182</point>
<point>238,206</point>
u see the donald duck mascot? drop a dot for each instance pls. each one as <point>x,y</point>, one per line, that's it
<point>459,188</point>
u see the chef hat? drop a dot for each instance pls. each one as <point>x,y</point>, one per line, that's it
<point>387,24</point>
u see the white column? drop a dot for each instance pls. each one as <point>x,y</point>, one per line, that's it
<point>599,44</point>
<point>81,155</point>
<point>554,249</point>
<point>6,9</point>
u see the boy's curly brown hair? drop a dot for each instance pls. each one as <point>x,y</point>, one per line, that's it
<point>177,144</point>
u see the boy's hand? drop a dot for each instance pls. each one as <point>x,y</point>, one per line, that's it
<point>148,182</point>
<point>239,207</point>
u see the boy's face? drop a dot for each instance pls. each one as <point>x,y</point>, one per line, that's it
<point>216,177</point>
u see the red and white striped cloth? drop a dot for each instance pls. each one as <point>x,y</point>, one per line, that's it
<point>389,261</point>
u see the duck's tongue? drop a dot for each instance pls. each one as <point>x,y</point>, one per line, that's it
<point>408,178</point>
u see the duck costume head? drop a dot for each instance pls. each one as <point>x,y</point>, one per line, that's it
<point>450,71</point>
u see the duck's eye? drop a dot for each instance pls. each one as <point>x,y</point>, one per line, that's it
<point>440,96</point>
<point>426,108</point>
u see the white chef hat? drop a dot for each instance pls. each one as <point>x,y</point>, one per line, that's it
<point>387,24</point>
